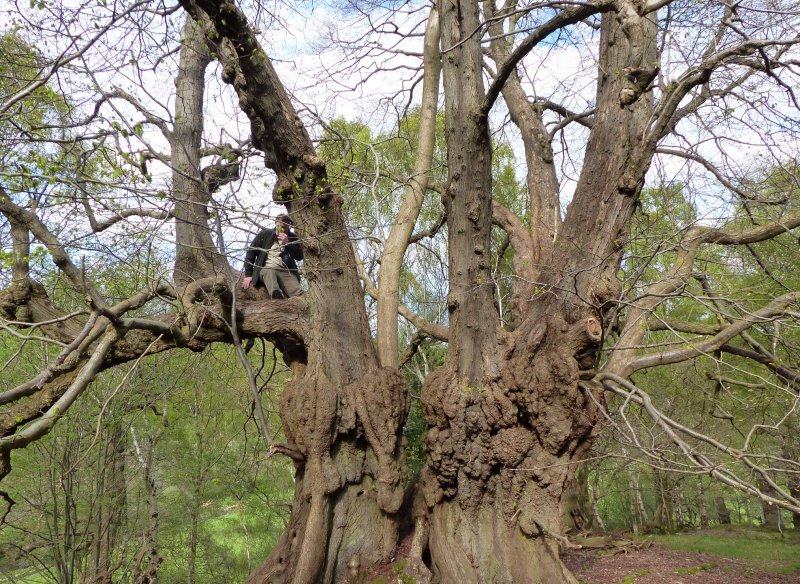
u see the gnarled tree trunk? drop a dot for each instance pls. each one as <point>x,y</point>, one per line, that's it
<point>342,412</point>
<point>508,419</point>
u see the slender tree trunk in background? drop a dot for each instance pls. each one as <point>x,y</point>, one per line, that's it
<point>723,514</point>
<point>597,519</point>
<point>743,502</point>
<point>192,544</point>
<point>147,560</point>
<point>637,511</point>
<point>702,505</point>
<point>197,480</point>
<point>111,505</point>
<point>640,508</point>
<point>791,451</point>
<point>662,519</point>
<point>576,503</point>
<point>677,504</point>
<point>770,514</point>
<point>194,514</point>
<point>794,490</point>
<point>67,562</point>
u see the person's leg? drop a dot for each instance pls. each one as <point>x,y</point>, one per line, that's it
<point>270,278</point>
<point>289,283</point>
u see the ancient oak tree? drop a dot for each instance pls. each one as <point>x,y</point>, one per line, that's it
<point>603,96</point>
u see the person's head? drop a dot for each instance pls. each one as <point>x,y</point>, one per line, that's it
<point>283,223</point>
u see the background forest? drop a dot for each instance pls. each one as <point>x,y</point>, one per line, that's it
<point>178,461</point>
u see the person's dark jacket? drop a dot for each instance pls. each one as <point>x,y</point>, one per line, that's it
<point>256,255</point>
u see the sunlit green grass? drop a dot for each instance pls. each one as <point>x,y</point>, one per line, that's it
<point>770,551</point>
<point>24,577</point>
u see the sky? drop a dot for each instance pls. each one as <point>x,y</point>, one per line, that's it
<point>358,81</point>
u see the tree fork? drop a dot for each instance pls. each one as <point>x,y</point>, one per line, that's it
<point>343,414</point>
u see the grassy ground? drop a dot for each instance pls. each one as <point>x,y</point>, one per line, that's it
<point>772,551</point>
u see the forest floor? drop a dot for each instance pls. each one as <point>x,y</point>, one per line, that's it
<point>714,556</point>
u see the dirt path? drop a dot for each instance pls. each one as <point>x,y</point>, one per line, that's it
<point>658,565</point>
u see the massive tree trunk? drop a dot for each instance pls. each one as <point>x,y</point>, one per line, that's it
<point>507,417</point>
<point>512,411</point>
<point>342,412</point>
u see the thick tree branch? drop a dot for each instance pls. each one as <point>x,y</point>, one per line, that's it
<point>638,321</point>
<point>525,265</point>
<point>122,215</point>
<point>276,129</point>
<point>768,361</point>
<point>46,422</point>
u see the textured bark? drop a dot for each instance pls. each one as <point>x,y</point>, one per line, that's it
<point>506,416</point>
<point>597,520</point>
<point>590,244</point>
<point>342,413</point>
<point>702,505</point>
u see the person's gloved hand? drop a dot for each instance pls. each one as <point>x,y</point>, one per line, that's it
<point>246,282</point>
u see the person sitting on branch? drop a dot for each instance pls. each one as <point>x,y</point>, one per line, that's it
<point>271,260</point>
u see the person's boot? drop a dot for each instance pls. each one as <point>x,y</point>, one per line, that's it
<point>277,295</point>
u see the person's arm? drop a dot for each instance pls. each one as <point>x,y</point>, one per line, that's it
<point>250,258</point>
<point>293,248</point>
<point>252,254</point>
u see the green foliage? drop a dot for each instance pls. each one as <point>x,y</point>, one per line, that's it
<point>414,430</point>
<point>719,394</point>
<point>20,66</point>
<point>214,484</point>
<point>664,214</point>
<point>399,569</point>
<point>428,355</point>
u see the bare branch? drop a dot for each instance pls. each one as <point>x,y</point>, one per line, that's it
<point>564,18</point>
<point>67,58</point>
<point>774,309</point>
